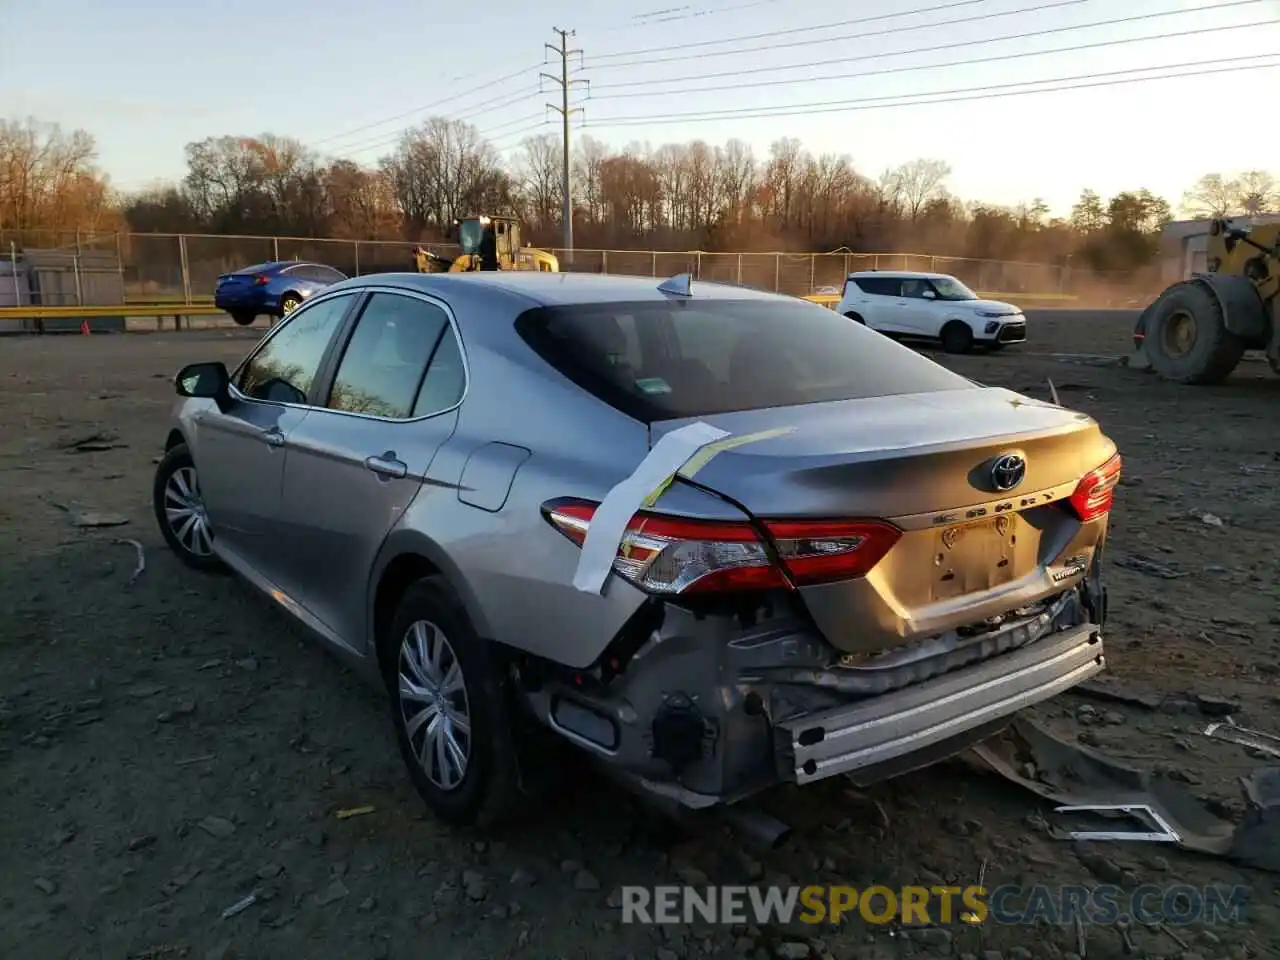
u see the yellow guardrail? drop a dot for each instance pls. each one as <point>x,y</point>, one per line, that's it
<point>117,310</point>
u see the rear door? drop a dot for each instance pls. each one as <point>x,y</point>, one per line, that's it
<point>886,305</point>
<point>355,464</point>
<point>240,451</point>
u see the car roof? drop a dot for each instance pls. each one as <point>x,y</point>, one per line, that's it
<point>900,275</point>
<point>542,288</point>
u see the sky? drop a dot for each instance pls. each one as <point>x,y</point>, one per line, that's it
<point>145,77</point>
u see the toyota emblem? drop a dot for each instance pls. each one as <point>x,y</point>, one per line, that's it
<point>1007,471</point>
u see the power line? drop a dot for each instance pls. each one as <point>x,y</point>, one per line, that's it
<point>972,61</point>
<point>954,45</point>
<point>430,106</point>
<point>566,84</point>
<point>672,14</point>
<point>966,93</point>
<point>466,116</point>
<point>835,24</point>
<point>925,26</point>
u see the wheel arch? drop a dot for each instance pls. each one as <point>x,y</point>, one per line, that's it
<point>406,557</point>
<point>174,439</point>
<point>1244,312</point>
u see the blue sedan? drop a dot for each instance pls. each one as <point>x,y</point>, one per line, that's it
<point>276,288</point>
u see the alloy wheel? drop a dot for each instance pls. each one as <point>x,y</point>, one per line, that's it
<point>184,511</point>
<point>434,705</point>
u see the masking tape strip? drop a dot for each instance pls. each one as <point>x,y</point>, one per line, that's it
<point>684,452</point>
<point>705,454</point>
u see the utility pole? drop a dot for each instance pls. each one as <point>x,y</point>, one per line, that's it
<point>566,84</point>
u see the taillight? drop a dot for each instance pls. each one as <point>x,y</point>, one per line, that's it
<point>260,280</point>
<point>671,555</point>
<point>1096,490</point>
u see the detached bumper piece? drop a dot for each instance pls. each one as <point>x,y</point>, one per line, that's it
<point>938,712</point>
<point>1012,333</point>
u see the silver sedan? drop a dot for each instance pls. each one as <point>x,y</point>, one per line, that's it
<point>713,538</point>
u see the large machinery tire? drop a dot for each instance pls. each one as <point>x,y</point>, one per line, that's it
<point>1187,340</point>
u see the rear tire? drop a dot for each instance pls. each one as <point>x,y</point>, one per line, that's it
<point>856,318</point>
<point>957,337</point>
<point>179,510</point>
<point>1187,340</point>
<point>244,319</point>
<point>289,303</point>
<point>451,708</point>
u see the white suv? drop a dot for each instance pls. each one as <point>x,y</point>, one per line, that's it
<point>930,306</point>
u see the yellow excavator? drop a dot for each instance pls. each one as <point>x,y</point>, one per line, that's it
<point>1197,330</point>
<point>488,243</point>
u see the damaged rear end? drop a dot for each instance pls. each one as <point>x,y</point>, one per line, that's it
<point>901,573</point>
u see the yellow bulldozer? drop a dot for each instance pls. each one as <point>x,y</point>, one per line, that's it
<point>1197,330</point>
<point>488,243</point>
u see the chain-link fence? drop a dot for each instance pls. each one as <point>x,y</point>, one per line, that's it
<point>185,267</point>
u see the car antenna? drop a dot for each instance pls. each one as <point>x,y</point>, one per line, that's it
<point>681,285</point>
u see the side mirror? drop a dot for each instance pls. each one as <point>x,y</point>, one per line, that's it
<point>207,380</point>
<point>929,294</point>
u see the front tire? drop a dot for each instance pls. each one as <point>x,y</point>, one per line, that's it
<point>450,706</point>
<point>957,337</point>
<point>1187,340</point>
<point>180,511</point>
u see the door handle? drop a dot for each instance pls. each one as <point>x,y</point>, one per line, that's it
<point>273,437</point>
<point>388,466</point>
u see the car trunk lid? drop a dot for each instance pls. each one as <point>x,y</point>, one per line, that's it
<point>923,462</point>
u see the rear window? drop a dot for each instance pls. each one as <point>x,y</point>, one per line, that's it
<point>663,361</point>
<point>256,268</point>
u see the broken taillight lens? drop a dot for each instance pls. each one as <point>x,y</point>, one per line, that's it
<point>672,555</point>
<point>1096,490</point>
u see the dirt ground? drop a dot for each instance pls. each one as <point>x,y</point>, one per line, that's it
<point>170,745</point>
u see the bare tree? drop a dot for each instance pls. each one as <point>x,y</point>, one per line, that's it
<point>920,181</point>
<point>539,170</point>
<point>1259,192</point>
<point>48,180</point>
<point>1212,196</point>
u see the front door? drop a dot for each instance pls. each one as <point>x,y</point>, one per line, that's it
<point>355,465</point>
<point>918,310</point>
<point>240,452</point>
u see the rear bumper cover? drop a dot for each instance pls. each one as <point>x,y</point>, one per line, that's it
<point>882,729</point>
<point>706,712</point>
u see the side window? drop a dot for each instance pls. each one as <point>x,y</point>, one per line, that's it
<point>915,288</point>
<point>386,357</point>
<point>284,369</point>
<point>445,378</point>
<point>327,274</point>
<point>879,286</point>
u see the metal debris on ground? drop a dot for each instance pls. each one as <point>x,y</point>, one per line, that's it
<point>1140,811</point>
<point>142,559</point>
<point>1232,732</point>
<point>354,812</point>
<point>240,906</point>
